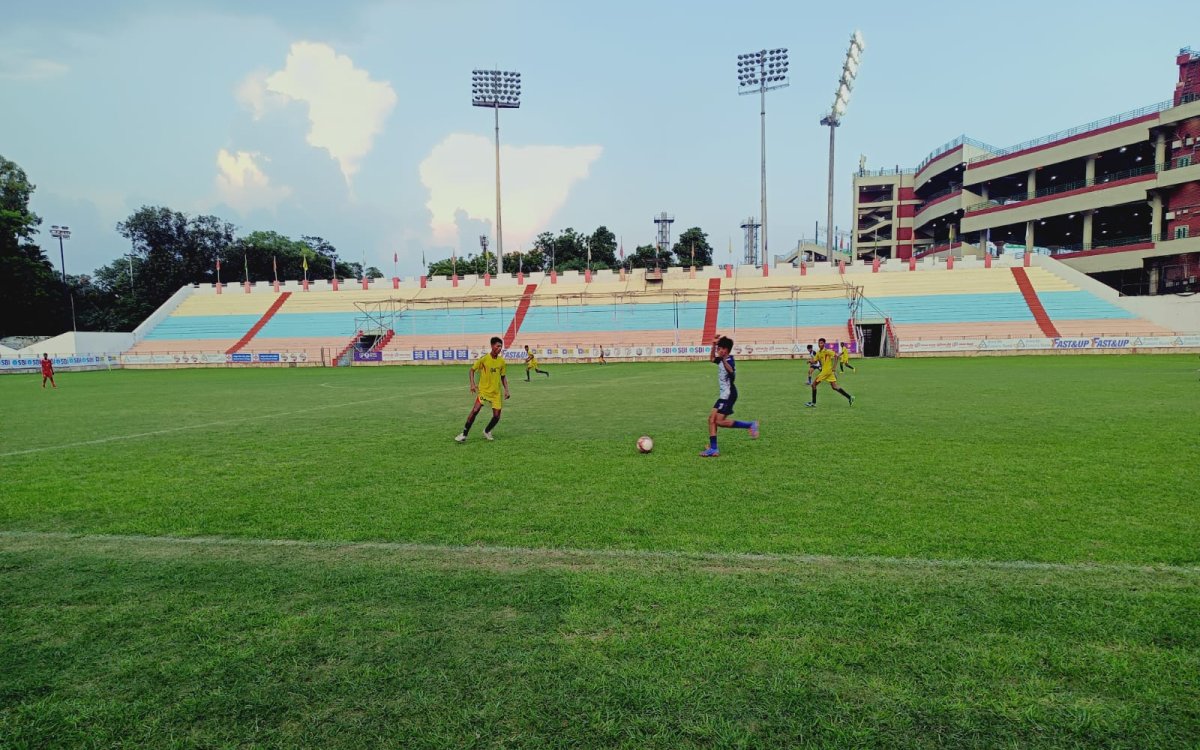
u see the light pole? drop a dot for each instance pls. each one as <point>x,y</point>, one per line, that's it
<point>840,101</point>
<point>761,72</point>
<point>64,233</point>
<point>498,89</point>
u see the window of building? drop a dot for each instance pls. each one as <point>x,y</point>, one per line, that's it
<point>1185,161</point>
<point>1181,233</point>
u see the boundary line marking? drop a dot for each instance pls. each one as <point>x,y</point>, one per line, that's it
<point>614,554</point>
<point>236,420</point>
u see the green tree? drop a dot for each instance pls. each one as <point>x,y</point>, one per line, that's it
<point>693,240</point>
<point>603,245</point>
<point>647,256</point>
<point>32,297</point>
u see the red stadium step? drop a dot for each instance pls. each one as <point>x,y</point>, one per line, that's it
<point>1035,304</point>
<point>515,326</point>
<point>274,308</point>
<point>710,313</point>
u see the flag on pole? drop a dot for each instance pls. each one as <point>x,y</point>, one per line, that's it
<point>333,265</point>
<point>395,257</point>
<point>304,263</point>
<point>693,254</point>
<point>622,248</point>
<point>423,263</point>
<point>246,263</point>
<point>274,269</point>
<point>218,264</point>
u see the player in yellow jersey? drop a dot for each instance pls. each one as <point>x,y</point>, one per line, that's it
<point>844,357</point>
<point>531,364</point>
<point>493,375</point>
<point>826,358</point>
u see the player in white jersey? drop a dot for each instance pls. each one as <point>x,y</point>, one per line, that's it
<point>726,395</point>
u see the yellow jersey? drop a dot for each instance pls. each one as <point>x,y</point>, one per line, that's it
<point>490,370</point>
<point>826,358</point>
<point>844,355</point>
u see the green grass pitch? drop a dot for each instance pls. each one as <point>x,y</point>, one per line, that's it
<point>991,552</point>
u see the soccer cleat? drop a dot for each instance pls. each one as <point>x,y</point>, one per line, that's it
<point>852,401</point>
<point>754,430</point>
<point>810,403</point>
<point>710,453</point>
<point>460,438</point>
<point>488,436</point>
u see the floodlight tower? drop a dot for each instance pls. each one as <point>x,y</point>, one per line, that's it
<point>663,221</point>
<point>841,100</point>
<point>763,71</point>
<point>64,233</point>
<point>498,89</point>
<point>750,227</point>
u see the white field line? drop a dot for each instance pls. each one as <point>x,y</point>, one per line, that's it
<point>614,554</point>
<point>220,423</point>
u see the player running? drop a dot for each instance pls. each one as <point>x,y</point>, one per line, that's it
<point>531,364</point>
<point>827,375</point>
<point>492,375</point>
<point>813,364</point>
<point>726,396</point>
<point>844,357</point>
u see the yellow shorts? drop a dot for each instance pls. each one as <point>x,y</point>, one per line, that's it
<point>826,377</point>
<point>531,364</point>
<point>494,400</point>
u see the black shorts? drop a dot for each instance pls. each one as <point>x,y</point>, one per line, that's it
<point>725,405</point>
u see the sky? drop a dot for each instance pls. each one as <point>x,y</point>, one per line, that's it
<point>353,121</point>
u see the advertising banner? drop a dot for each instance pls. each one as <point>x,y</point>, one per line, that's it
<point>368,356</point>
<point>61,363</point>
<point>268,357</point>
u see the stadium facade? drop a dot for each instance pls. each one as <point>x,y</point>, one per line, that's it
<point>1118,199</point>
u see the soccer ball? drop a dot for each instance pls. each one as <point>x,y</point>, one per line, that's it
<point>645,444</point>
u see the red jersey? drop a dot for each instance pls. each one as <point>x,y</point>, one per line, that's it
<point>47,367</point>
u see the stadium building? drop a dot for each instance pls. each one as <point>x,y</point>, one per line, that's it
<point>1118,199</point>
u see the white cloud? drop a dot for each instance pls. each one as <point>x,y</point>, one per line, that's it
<point>15,68</point>
<point>460,174</point>
<point>346,109</point>
<point>243,185</point>
<point>252,93</point>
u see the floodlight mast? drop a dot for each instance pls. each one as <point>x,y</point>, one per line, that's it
<point>60,234</point>
<point>498,89</point>
<point>841,99</point>
<point>760,72</point>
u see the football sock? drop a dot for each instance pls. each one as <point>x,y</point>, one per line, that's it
<point>741,425</point>
<point>712,442</point>
<point>847,395</point>
<point>492,423</point>
<point>814,398</point>
<point>470,421</point>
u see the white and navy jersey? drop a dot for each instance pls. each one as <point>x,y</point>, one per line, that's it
<point>725,377</point>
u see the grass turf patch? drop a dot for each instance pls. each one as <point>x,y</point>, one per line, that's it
<point>137,643</point>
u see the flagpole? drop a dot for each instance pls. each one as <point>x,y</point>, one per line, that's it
<point>246,264</point>
<point>274,269</point>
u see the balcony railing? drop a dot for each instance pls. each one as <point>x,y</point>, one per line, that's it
<point>949,145</point>
<point>1069,186</point>
<point>885,171</point>
<point>1132,114</point>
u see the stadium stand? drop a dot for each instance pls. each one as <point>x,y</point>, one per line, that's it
<point>783,305</point>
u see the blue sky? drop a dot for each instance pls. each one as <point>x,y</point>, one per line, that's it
<point>354,122</point>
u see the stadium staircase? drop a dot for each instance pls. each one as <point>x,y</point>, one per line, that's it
<point>515,326</point>
<point>710,312</point>
<point>344,356</point>
<point>1035,304</point>
<point>274,308</point>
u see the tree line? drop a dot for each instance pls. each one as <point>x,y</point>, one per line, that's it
<point>570,250</point>
<point>169,249</point>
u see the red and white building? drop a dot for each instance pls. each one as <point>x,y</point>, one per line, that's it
<point>1118,198</point>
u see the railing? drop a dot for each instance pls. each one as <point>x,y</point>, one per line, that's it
<point>949,145</point>
<point>941,193</point>
<point>885,171</point>
<point>1132,114</point>
<point>1069,186</point>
